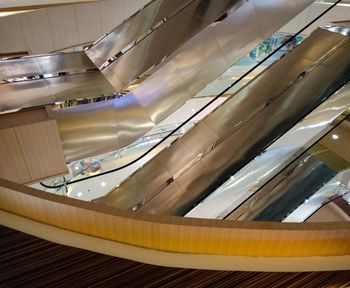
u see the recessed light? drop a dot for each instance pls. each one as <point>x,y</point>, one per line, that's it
<point>103,184</point>
<point>335,136</point>
<point>79,194</point>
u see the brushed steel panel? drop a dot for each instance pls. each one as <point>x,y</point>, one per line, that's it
<point>208,11</point>
<point>338,63</point>
<point>177,161</point>
<point>279,10</point>
<point>162,93</point>
<point>85,85</point>
<point>45,64</point>
<point>315,50</point>
<point>235,28</point>
<point>132,193</point>
<point>193,179</point>
<point>195,62</point>
<point>163,202</point>
<point>132,29</point>
<point>24,94</point>
<point>297,95</point>
<point>199,141</point>
<point>188,62</point>
<point>276,157</point>
<point>112,78</point>
<point>38,92</point>
<point>172,35</point>
<point>148,52</point>
<point>269,192</point>
<point>96,128</point>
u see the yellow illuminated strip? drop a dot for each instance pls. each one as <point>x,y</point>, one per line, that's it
<point>177,234</point>
<point>9,13</point>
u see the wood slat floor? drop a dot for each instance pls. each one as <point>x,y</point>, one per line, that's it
<point>27,261</point>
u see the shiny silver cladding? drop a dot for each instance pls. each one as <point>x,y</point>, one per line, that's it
<point>100,127</point>
<point>240,129</point>
<point>44,64</point>
<point>134,29</point>
<point>243,184</point>
<point>190,18</point>
<point>188,70</point>
<point>44,79</point>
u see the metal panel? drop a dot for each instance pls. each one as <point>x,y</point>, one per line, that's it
<point>195,64</point>
<point>133,28</point>
<point>38,92</point>
<point>95,128</point>
<point>258,172</point>
<point>279,10</point>
<point>181,74</point>
<point>175,197</point>
<point>45,64</point>
<point>290,189</point>
<point>164,201</point>
<point>135,197</point>
<point>298,93</point>
<point>172,35</point>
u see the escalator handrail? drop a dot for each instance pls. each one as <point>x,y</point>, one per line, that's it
<point>324,204</point>
<point>201,109</point>
<point>287,166</point>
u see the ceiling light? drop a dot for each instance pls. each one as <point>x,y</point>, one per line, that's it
<point>103,184</point>
<point>335,137</point>
<point>79,194</point>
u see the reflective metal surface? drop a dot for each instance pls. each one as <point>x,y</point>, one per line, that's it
<point>39,80</point>
<point>164,40</point>
<point>254,117</point>
<point>297,185</point>
<point>317,176</point>
<point>277,156</point>
<point>200,61</point>
<point>134,28</point>
<point>38,92</point>
<point>209,54</point>
<point>338,187</point>
<point>195,16</point>
<point>44,64</point>
<point>100,127</point>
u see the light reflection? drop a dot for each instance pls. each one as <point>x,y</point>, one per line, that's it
<point>335,137</point>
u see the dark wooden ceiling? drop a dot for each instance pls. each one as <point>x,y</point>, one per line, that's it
<point>27,261</point>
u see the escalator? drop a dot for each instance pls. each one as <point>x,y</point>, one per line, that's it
<point>240,129</point>
<point>45,79</point>
<point>243,184</point>
<point>182,73</point>
<point>98,128</point>
<point>317,176</point>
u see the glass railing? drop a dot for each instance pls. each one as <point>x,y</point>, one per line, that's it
<point>317,177</point>
<point>263,50</point>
